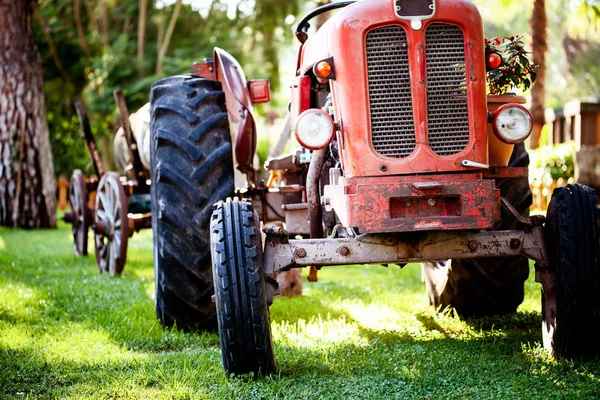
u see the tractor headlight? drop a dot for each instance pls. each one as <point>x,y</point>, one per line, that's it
<point>314,129</point>
<point>512,123</point>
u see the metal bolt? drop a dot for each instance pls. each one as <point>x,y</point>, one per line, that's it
<point>473,245</point>
<point>515,244</point>
<point>345,251</point>
<point>432,202</point>
<point>407,203</point>
<point>300,252</point>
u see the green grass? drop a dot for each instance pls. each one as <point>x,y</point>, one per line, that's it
<point>360,332</point>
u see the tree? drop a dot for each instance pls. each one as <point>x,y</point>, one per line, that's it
<point>538,23</point>
<point>539,44</point>
<point>27,183</point>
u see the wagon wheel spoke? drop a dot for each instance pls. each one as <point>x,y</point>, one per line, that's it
<point>107,258</point>
<point>116,208</point>
<point>102,201</point>
<point>101,214</point>
<point>112,262</point>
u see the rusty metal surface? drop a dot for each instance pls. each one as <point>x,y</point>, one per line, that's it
<point>397,248</point>
<point>533,221</point>
<point>111,225</point>
<point>414,206</point>
<point>496,172</point>
<point>348,31</point>
<point>535,248</point>
<point>239,108</point>
<point>88,137</point>
<point>296,219</point>
<point>204,69</point>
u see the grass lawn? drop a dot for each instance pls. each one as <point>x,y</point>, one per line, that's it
<point>359,333</point>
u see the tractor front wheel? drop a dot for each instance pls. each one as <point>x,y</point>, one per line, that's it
<point>571,306</point>
<point>242,311</point>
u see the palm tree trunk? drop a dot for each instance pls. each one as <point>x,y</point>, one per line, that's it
<point>27,183</point>
<point>539,35</point>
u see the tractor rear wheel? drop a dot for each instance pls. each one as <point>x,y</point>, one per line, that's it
<point>192,168</point>
<point>571,308</point>
<point>242,311</point>
<point>487,286</point>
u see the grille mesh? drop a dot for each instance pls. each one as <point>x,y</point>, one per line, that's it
<point>392,124</point>
<point>447,105</point>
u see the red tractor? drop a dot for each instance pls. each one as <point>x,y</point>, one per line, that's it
<point>390,108</point>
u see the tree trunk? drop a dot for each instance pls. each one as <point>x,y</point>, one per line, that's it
<point>80,33</point>
<point>27,183</point>
<point>539,36</point>
<point>165,43</point>
<point>141,35</point>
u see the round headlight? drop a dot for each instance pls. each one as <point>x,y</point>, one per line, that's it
<point>512,123</point>
<point>314,129</point>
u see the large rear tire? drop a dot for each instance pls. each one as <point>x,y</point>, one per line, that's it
<point>488,286</point>
<point>571,309</point>
<point>192,168</point>
<point>243,314</point>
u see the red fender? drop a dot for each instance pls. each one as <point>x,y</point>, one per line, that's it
<point>239,107</point>
<point>240,95</point>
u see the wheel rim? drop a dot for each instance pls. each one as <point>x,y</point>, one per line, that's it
<point>111,225</point>
<point>80,210</point>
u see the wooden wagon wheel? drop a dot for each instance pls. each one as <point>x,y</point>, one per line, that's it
<point>80,213</point>
<point>111,226</point>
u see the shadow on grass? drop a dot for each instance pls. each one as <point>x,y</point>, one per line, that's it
<point>492,358</point>
<point>73,291</point>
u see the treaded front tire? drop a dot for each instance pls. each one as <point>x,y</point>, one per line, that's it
<point>192,168</point>
<point>243,314</point>
<point>571,310</point>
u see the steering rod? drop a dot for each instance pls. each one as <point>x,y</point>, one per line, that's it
<point>304,25</point>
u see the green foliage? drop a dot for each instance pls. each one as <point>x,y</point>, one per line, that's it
<point>104,58</point>
<point>361,332</point>
<point>67,144</point>
<point>516,72</point>
<point>551,163</point>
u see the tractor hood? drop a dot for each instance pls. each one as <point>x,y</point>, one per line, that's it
<point>369,13</point>
<point>409,91</point>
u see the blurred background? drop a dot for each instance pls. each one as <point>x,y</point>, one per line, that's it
<point>91,47</point>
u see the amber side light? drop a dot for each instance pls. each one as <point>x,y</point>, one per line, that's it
<point>323,69</point>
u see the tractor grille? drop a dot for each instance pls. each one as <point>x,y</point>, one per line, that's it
<point>392,124</point>
<point>447,106</point>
